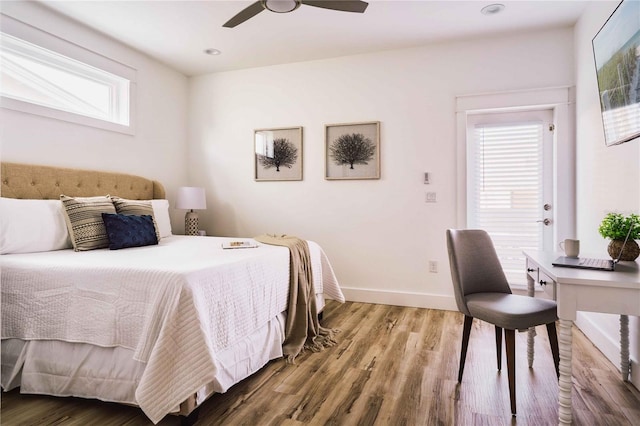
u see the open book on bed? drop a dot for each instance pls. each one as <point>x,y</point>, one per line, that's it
<point>239,244</point>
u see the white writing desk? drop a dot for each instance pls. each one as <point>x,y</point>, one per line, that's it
<point>574,290</point>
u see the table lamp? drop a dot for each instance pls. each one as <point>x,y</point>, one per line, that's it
<point>191,198</point>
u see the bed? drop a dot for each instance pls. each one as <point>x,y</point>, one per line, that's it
<point>160,326</point>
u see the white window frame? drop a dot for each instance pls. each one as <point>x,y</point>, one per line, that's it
<point>99,67</point>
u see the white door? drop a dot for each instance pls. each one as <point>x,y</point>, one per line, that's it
<point>510,183</point>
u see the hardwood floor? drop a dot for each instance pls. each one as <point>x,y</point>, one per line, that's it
<point>392,366</point>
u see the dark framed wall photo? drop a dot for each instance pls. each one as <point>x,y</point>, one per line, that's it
<point>615,51</point>
<point>278,154</point>
<point>352,151</point>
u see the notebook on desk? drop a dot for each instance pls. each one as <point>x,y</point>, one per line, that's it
<point>590,263</point>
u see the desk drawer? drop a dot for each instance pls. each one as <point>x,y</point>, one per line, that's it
<point>532,271</point>
<point>547,284</point>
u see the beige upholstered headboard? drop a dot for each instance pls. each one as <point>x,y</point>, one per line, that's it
<point>46,182</point>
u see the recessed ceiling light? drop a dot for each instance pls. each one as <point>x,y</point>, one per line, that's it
<point>492,9</point>
<point>213,52</point>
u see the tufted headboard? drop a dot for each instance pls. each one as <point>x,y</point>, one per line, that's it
<point>46,182</point>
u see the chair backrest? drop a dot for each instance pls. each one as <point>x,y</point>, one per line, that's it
<point>475,267</point>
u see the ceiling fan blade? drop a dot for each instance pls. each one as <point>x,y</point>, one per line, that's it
<point>342,5</point>
<point>247,13</point>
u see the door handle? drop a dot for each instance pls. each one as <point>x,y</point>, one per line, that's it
<point>545,221</point>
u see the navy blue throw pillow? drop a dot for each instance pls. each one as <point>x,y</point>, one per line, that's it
<point>129,230</point>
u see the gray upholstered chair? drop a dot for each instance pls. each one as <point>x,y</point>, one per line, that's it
<point>482,292</point>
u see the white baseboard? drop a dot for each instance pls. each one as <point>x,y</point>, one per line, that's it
<point>607,343</point>
<point>397,298</point>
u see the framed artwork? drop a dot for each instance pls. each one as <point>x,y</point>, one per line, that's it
<point>352,151</point>
<point>278,154</point>
<point>615,52</point>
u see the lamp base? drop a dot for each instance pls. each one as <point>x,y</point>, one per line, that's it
<point>191,223</point>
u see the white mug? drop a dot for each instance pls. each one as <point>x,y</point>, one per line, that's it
<point>570,247</point>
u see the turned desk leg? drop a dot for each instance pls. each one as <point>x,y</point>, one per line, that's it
<point>564,383</point>
<point>624,347</point>
<point>532,331</point>
<point>530,340</point>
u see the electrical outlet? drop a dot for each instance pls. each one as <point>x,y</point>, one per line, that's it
<point>433,266</point>
<point>430,197</point>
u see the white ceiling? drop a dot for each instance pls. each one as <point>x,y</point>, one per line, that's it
<point>177,32</point>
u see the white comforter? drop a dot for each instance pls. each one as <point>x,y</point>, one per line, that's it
<point>175,304</point>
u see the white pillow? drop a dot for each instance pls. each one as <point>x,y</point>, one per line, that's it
<point>29,226</point>
<point>161,216</point>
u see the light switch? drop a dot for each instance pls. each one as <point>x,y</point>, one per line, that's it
<point>430,197</point>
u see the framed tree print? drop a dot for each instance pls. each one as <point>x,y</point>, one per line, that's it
<point>352,151</point>
<point>278,154</point>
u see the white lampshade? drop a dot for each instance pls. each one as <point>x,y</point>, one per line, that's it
<point>191,198</point>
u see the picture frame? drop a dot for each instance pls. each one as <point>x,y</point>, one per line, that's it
<point>278,154</point>
<point>615,48</point>
<point>352,151</point>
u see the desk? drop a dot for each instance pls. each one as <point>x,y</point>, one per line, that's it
<point>574,290</point>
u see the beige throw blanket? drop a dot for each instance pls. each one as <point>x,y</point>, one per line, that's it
<point>302,328</point>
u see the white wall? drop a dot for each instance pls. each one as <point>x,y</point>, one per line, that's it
<point>379,234</point>
<point>607,180</point>
<point>157,150</point>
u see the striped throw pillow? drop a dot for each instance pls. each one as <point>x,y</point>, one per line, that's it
<point>136,208</point>
<point>84,221</point>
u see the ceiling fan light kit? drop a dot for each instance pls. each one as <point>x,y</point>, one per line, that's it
<point>286,6</point>
<point>281,6</point>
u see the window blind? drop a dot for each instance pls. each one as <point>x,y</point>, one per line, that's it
<point>506,178</point>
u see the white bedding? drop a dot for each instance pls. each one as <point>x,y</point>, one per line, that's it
<point>176,306</point>
<point>57,368</point>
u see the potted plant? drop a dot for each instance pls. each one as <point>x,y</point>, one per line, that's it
<point>615,226</point>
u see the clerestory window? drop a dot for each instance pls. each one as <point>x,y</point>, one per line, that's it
<point>41,81</point>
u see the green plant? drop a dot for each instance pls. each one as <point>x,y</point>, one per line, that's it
<point>615,226</point>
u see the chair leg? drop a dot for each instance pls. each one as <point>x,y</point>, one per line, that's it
<point>553,342</point>
<point>510,339</point>
<point>466,331</point>
<point>499,346</point>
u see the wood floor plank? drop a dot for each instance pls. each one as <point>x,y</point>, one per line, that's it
<point>391,366</point>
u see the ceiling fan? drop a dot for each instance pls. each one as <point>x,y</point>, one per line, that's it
<point>286,6</point>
